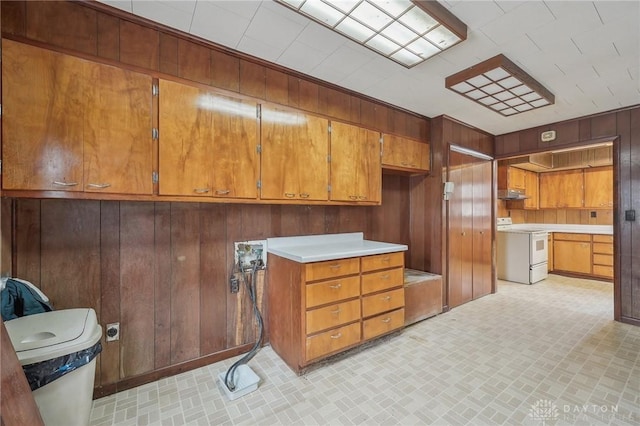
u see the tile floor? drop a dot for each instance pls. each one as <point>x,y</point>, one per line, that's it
<point>545,354</point>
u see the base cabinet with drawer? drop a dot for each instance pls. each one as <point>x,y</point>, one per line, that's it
<point>320,309</point>
<point>590,255</point>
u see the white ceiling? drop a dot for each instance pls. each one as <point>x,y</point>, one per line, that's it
<point>587,53</point>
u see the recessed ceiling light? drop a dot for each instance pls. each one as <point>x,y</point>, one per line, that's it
<point>407,32</point>
<point>499,79</point>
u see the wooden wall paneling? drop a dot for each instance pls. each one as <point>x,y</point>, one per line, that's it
<point>354,114</point>
<point>418,195</point>
<point>108,43</point>
<point>499,145</point>
<point>214,278</point>
<point>28,256</point>
<point>14,17</point>
<point>308,96</point>
<point>353,219</point>
<point>391,221</point>
<point>627,186</point>
<point>584,129</point>
<point>70,253</point>
<point>511,143</point>
<point>302,220</point>
<point>382,117</point>
<point>397,122</point>
<point>139,45</point>
<point>194,62</point>
<point>277,87</point>
<point>528,139</point>
<point>69,25</point>
<point>566,132</point>
<point>603,125</point>
<point>235,329</point>
<point>293,84</point>
<point>137,288</point>
<point>252,79</point>
<point>256,222</point>
<point>162,284</point>
<point>225,70</point>
<point>17,406</point>
<point>454,234</point>
<point>109,365</point>
<point>6,236</point>
<point>338,104</point>
<point>168,54</point>
<point>185,281</point>
<point>368,114</point>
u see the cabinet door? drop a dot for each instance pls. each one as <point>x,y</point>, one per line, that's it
<point>295,147</point>
<point>572,256</point>
<point>516,178</point>
<point>401,153</point>
<point>356,173</point>
<point>598,187</point>
<point>482,221</point>
<point>42,119</point>
<point>117,130</point>
<point>234,150</point>
<point>186,135</point>
<point>561,189</point>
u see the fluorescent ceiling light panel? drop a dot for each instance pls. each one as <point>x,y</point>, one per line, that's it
<point>500,79</point>
<point>405,31</point>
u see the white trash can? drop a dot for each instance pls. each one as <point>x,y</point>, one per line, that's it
<point>57,350</point>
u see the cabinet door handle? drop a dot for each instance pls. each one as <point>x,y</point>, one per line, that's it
<point>56,182</point>
<point>304,195</point>
<point>335,287</point>
<point>463,234</point>
<point>386,320</point>
<point>289,194</point>
<point>361,197</point>
<point>336,336</point>
<point>201,190</point>
<point>336,312</point>
<point>222,191</point>
<point>353,197</point>
<point>98,185</point>
<point>386,299</point>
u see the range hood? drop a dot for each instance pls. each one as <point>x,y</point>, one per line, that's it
<point>511,194</point>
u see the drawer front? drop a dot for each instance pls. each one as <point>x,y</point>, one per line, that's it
<point>382,302</point>
<point>605,248</point>
<point>378,281</point>
<point>332,269</point>
<point>571,237</point>
<point>382,324</point>
<point>603,259</point>
<point>332,291</point>
<point>602,238</point>
<point>332,341</point>
<point>382,261</point>
<point>332,316</point>
<point>603,271</point>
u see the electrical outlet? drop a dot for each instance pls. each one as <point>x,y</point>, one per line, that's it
<point>235,284</point>
<point>113,332</point>
<point>248,253</point>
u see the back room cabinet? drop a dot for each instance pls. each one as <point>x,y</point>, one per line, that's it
<point>74,125</point>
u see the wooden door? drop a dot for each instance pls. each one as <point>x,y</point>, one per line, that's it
<point>598,187</point>
<point>118,154</point>
<point>186,135</point>
<point>561,189</point>
<point>295,147</point>
<point>42,119</point>
<point>482,221</point>
<point>356,172</point>
<point>234,148</point>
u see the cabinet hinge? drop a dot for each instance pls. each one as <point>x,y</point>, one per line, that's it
<point>329,128</point>
<point>329,188</point>
<point>259,184</point>
<point>154,177</point>
<point>381,145</point>
<point>155,90</point>
<point>259,149</point>
<point>328,158</point>
<point>258,112</point>
<point>0,110</point>
<point>0,166</point>
<point>155,134</point>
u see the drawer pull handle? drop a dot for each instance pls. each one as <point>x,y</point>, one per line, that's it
<point>361,197</point>
<point>336,312</point>
<point>289,195</point>
<point>98,185</point>
<point>222,191</point>
<point>386,320</point>
<point>385,277</point>
<point>336,286</point>
<point>353,197</point>
<point>57,182</point>
<point>386,299</point>
<point>201,190</point>
<point>336,336</point>
<point>304,195</point>
<point>335,266</point>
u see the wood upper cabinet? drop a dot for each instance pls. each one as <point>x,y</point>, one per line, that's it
<point>42,117</point>
<point>74,125</point>
<point>208,143</point>
<point>598,187</point>
<point>295,149</point>
<point>118,154</point>
<point>531,183</point>
<point>405,154</point>
<point>561,189</point>
<point>512,178</point>
<point>356,174</point>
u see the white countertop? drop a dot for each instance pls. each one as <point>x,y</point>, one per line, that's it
<point>316,248</point>
<point>569,228</point>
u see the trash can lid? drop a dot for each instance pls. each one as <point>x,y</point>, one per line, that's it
<point>52,334</point>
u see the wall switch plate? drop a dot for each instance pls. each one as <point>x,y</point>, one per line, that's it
<point>630,215</point>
